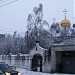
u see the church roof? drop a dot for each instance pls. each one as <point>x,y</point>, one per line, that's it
<point>53,25</point>
<point>70,41</point>
<point>67,41</point>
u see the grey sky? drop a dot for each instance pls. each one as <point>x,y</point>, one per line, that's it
<point>14,16</point>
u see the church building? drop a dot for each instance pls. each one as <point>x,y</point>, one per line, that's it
<point>62,50</point>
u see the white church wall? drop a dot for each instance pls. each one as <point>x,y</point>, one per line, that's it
<point>16,62</point>
<point>26,62</point>
<point>47,66</point>
<point>34,51</point>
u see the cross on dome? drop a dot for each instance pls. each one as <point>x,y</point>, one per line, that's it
<point>54,19</point>
<point>65,11</point>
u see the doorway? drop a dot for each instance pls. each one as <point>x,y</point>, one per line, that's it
<point>36,63</point>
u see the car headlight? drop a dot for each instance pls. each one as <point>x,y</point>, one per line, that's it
<point>19,73</point>
<point>7,73</point>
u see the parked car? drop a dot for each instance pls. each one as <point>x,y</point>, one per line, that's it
<point>7,70</point>
<point>1,73</point>
<point>13,67</point>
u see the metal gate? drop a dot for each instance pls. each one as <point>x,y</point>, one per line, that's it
<point>36,63</point>
<point>68,61</point>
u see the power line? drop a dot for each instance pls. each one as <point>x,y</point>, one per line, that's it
<point>7,3</point>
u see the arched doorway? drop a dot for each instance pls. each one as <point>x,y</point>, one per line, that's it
<point>36,63</point>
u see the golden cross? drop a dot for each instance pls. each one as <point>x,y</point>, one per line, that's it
<point>65,12</point>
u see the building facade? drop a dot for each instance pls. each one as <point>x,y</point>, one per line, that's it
<point>62,50</point>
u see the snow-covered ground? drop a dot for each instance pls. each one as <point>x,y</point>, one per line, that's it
<point>26,72</point>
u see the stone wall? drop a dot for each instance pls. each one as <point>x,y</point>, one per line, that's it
<point>22,61</point>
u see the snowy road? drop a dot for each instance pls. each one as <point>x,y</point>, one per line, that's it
<point>26,72</point>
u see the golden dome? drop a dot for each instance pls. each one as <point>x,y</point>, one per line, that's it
<point>65,22</point>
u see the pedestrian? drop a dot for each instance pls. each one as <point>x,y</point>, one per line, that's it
<point>60,67</point>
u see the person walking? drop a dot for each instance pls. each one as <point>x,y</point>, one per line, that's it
<point>60,67</point>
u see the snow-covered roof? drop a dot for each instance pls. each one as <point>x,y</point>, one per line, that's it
<point>42,48</point>
<point>70,41</point>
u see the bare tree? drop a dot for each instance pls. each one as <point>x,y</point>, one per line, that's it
<point>36,27</point>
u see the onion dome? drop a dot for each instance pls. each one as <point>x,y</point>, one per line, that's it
<point>65,23</point>
<point>53,25</point>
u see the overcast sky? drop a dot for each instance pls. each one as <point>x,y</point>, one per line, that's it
<point>14,16</point>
